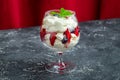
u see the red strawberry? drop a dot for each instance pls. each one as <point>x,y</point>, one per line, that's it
<point>76,32</point>
<point>42,33</point>
<point>52,38</point>
<point>68,35</point>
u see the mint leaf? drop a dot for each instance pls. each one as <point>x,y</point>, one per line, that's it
<point>63,13</point>
<point>53,12</point>
<point>62,10</point>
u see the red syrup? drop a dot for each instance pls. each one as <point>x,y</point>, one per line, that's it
<point>68,35</point>
<point>60,68</point>
<point>76,32</point>
<point>52,38</point>
<point>61,64</point>
<point>42,33</point>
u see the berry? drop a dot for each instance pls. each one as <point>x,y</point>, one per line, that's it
<point>72,31</point>
<point>76,31</point>
<point>42,33</point>
<point>56,15</point>
<point>52,38</point>
<point>68,35</point>
<point>64,40</point>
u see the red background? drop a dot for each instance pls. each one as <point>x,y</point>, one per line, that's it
<point>26,13</point>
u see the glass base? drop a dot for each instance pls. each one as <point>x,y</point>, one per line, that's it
<point>61,68</point>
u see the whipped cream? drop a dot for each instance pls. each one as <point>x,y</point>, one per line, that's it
<point>61,32</point>
<point>56,24</point>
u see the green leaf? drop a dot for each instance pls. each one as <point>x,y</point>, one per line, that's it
<point>63,13</point>
<point>62,10</point>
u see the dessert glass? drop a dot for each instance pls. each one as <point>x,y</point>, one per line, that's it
<point>60,33</point>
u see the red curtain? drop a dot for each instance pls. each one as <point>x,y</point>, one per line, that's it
<point>110,9</point>
<point>26,13</point>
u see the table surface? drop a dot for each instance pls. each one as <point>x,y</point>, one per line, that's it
<point>97,55</point>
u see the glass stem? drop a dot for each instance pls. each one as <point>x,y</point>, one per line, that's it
<point>61,62</point>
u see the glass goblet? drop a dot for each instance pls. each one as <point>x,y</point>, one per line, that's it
<point>60,32</point>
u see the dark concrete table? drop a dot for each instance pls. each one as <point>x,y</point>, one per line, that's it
<point>97,55</point>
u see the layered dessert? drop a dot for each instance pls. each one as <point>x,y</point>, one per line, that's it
<point>60,29</point>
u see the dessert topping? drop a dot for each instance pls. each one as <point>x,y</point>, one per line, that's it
<point>62,13</point>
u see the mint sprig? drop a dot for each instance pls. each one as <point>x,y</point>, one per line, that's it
<point>63,13</point>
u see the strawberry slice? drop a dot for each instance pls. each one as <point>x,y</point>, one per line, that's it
<point>68,35</point>
<point>76,32</point>
<point>42,33</point>
<point>52,38</point>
